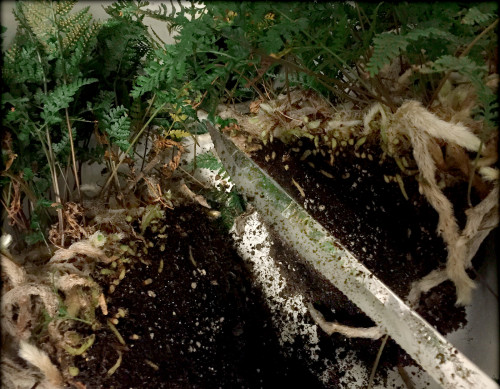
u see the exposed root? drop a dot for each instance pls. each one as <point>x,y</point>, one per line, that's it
<point>377,360</point>
<point>350,332</point>
<point>116,365</point>
<point>15,273</point>
<point>41,360</point>
<point>15,376</point>
<point>19,325</point>
<point>84,247</point>
<point>423,127</point>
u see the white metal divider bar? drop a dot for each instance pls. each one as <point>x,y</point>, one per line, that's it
<point>418,338</point>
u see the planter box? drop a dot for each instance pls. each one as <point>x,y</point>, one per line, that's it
<point>439,358</point>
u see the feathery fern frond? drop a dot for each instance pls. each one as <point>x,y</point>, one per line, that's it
<point>116,124</point>
<point>59,32</point>
<point>209,161</point>
<point>63,146</point>
<point>60,98</point>
<point>177,135</point>
<point>388,46</point>
<point>475,16</point>
<point>488,104</point>
<point>21,65</point>
<point>173,16</point>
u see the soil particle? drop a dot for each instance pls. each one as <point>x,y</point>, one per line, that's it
<point>192,326</point>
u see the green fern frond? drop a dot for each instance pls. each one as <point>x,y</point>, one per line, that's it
<point>208,161</point>
<point>51,24</point>
<point>21,66</point>
<point>488,103</point>
<point>63,146</point>
<point>475,16</point>
<point>234,205</point>
<point>116,123</point>
<point>60,98</point>
<point>156,72</point>
<point>75,27</point>
<point>388,46</point>
<point>171,17</point>
<point>464,65</point>
<point>64,7</point>
<point>37,17</point>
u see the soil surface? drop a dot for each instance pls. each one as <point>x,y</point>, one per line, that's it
<point>199,323</point>
<point>393,237</point>
<point>195,319</point>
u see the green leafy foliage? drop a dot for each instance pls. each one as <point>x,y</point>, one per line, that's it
<point>116,123</point>
<point>230,203</point>
<point>475,16</point>
<point>209,161</point>
<point>388,46</point>
<point>223,52</point>
<point>49,107</point>
<point>60,98</point>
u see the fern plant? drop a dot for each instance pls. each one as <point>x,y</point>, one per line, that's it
<point>49,108</point>
<point>229,202</point>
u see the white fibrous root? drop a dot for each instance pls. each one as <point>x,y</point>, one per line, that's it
<point>15,375</point>
<point>30,293</point>
<point>41,360</point>
<point>15,273</point>
<point>436,145</point>
<point>19,298</point>
<point>423,129</point>
<point>89,247</point>
<point>350,332</point>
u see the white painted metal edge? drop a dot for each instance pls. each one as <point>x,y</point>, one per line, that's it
<point>431,350</point>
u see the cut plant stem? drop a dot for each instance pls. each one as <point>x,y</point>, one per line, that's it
<point>377,360</point>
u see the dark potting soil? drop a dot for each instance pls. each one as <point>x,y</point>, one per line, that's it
<point>393,237</point>
<point>199,323</point>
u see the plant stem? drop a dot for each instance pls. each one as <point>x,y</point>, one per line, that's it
<point>377,360</point>
<point>65,81</point>
<point>123,156</point>
<point>55,183</point>
<point>472,173</point>
<point>73,157</point>
<point>359,16</point>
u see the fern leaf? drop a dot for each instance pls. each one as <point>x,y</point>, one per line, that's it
<point>116,124</point>
<point>388,46</point>
<point>465,65</point>
<point>178,134</point>
<point>63,146</point>
<point>60,98</point>
<point>64,7</point>
<point>475,16</point>
<point>209,161</point>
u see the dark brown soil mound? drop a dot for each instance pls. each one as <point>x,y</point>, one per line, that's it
<point>203,326</point>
